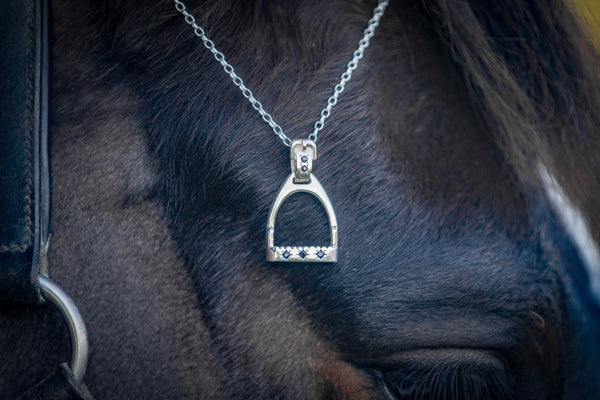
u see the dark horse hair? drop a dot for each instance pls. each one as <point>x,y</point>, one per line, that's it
<point>530,73</point>
<point>459,276</point>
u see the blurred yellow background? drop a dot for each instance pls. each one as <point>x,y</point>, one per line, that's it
<point>589,11</point>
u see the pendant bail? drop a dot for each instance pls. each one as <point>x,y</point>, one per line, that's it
<point>302,154</point>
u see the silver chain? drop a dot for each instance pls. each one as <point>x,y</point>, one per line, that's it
<point>247,93</point>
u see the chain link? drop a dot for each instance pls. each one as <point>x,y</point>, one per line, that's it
<point>247,93</point>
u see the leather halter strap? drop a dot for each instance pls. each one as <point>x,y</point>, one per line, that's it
<point>60,385</point>
<point>25,186</point>
<point>24,170</point>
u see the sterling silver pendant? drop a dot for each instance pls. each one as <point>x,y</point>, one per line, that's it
<point>302,154</point>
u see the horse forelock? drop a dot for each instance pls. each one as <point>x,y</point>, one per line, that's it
<point>531,76</point>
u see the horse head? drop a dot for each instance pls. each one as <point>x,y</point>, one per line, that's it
<point>456,276</point>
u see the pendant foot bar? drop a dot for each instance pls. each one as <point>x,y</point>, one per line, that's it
<point>302,254</point>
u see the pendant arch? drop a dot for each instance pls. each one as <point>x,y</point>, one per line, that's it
<point>302,253</point>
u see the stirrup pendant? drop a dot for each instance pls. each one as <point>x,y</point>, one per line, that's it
<point>302,154</point>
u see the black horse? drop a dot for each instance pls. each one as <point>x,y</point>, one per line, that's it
<point>461,160</point>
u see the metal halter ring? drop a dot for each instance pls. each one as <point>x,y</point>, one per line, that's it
<point>79,341</point>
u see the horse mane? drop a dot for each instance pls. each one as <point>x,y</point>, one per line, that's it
<point>529,71</point>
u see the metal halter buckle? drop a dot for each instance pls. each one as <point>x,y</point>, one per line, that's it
<point>79,341</point>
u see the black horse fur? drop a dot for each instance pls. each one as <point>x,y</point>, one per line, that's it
<point>457,278</point>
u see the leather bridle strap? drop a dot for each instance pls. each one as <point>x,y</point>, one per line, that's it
<point>25,186</point>
<point>24,176</point>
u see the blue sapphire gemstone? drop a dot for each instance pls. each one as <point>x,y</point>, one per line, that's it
<point>302,254</point>
<point>320,254</point>
<point>304,159</point>
<point>286,254</point>
<point>304,168</point>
